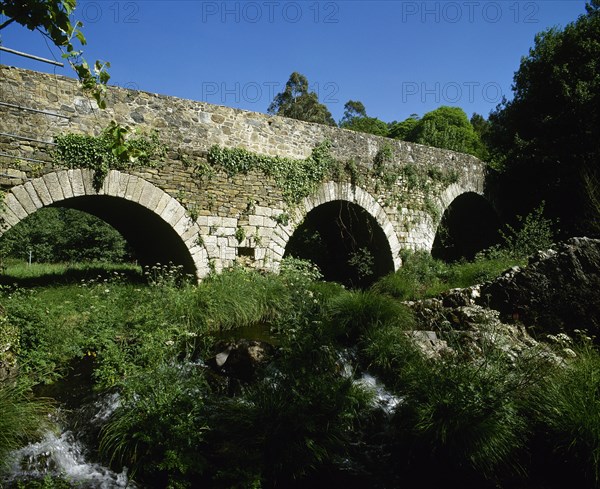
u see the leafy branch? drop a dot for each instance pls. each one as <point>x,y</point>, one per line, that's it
<point>51,18</point>
<point>112,149</point>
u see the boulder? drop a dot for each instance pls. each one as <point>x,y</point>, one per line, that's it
<point>559,290</point>
<point>241,358</point>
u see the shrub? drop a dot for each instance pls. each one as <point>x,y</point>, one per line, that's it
<point>159,428</point>
<point>534,233</point>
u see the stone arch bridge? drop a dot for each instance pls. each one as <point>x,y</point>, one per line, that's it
<point>173,212</point>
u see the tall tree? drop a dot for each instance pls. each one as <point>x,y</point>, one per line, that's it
<point>52,19</point>
<point>352,110</point>
<point>545,140</point>
<point>297,102</point>
<point>355,118</point>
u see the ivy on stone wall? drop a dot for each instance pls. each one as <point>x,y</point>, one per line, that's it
<point>296,178</point>
<point>111,150</point>
<point>299,178</point>
<point>423,179</point>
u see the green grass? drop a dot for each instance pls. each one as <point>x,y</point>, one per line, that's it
<point>566,409</point>
<point>46,274</point>
<point>23,417</point>
<point>422,276</point>
<point>479,420</point>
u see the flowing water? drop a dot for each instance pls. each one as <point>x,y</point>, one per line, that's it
<point>65,451</point>
<point>62,455</point>
<point>383,399</point>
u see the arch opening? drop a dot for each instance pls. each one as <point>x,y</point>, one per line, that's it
<point>345,242</point>
<point>151,238</point>
<point>468,226</point>
<point>60,235</point>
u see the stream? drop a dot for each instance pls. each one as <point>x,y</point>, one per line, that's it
<point>65,451</point>
<point>69,450</point>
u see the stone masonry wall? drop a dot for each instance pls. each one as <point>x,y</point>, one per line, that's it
<point>216,207</point>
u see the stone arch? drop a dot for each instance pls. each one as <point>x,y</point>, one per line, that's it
<point>330,192</point>
<point>122,197</point>
<point>468,214</point>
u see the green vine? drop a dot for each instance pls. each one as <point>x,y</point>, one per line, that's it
<point>282,219</point>
<point>112,149</point>
<point>296,178</point>
<point>240,234</point>
<point>299,178</point>
<point>417,178</point>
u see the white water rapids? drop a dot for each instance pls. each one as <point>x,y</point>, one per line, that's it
<point>63,455</point>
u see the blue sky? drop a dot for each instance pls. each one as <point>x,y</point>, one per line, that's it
<point>397,57</point>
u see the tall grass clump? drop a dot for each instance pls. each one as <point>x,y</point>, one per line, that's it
<point>158,430</point>
<point>418,272</point>
<point>22,416</point>
<point>352,313</point>
<point>389,352</point>
<point>566,410</point>
<point>239,297</point>
<point>466,417</point>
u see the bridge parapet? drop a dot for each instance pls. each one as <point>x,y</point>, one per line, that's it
<point>237,216</point>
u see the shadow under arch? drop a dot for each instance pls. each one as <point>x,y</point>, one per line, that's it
<point>352,206</point>
<point>155,224</point>
<point>469,225</point>
<point>345,242</point>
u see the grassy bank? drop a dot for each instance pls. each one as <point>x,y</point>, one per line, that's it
<point>301,418</point>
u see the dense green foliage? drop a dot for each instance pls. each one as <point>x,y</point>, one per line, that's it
<point>404,130</point>
<point>355,118</point>
<point>56,234</point>
<point>545,139</point>
<point>112,149</point>
<point>303,415</point>
<point>296,178</point>
<point>298,102</point>
<point>444,127</point>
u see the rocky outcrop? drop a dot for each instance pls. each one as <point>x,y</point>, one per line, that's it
<point>454,325</point>
<point>558,291</point>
